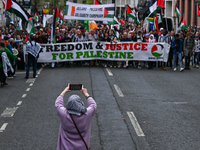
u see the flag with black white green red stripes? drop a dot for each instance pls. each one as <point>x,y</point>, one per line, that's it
<point>76,11</point>
<point>53,29</point>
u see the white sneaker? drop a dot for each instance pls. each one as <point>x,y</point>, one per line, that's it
<point>174,69</point>
<point>181,69</point>
<point>139,67</point>
<point>105,66</point>
<point>197,66</point>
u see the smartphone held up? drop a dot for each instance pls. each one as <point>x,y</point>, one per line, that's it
<point>75,86</point>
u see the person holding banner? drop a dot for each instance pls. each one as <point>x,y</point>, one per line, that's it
<point>125,39</point>
<point>151,40</point>
<point>33,49</point>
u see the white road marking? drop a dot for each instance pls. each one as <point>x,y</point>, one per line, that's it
<point>19,103</point>
<point>28,89</point>
<point>9,112</point>
<point>3,127</point>
<point>31,84</point>
<point>30,80</point>
<point>24,95</point>
<point>24,72</point>
<point>109,72</point>
<point>135,124</point>
<point>119,92</point>
<point>39,71</point>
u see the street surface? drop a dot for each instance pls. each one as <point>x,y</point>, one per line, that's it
<point>136,109</point>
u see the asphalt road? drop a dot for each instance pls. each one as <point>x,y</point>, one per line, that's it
<point>136,109</point>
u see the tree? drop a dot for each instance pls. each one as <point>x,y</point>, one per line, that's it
<point>87,1</point>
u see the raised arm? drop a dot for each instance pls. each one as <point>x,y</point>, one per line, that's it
<point>59,104</point>
<point>92,106</point>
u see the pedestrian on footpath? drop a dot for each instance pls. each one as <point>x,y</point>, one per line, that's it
<point>177,46</point>
<point>33,49</point>
<point>74,132</point>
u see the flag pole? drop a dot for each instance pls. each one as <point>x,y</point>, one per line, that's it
<point>166,23</point>
<point>176,24</point>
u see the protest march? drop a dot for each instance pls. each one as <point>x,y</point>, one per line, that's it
<point>92,35</point>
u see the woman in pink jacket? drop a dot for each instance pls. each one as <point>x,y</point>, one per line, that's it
<point>69,138</point>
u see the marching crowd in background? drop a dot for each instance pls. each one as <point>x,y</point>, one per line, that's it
<point>184,45</point>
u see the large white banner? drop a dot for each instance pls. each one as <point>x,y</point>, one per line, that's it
<point>76,11</point>
<point>103,51</point>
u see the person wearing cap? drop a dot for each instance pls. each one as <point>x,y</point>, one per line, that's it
<point>189,45</point>
<point>197,51</point>
<point>177,46</point>
<point>69,138</point>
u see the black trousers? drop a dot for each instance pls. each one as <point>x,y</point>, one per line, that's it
<point>2,75</point>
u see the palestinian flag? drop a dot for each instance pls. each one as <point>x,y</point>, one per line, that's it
<point>121,21</point>
<point>198,13</point>
<point>14,7</point>
<point>30,26</point>
<point>156,5</point>
<point>177,11</point>
<point>19,26</point>
<point>61,17</point>
<point>132,14</point>
<point>44,19</point>
<point>159,18</point>
<point>116,32</point>
<point>96,2</point>
<point>156,24</point>
<point>108,11</point>
<point>182,24</point>
<point>115,21</point>
<point>53,29</point>
<point>36,17</point>
<point>26,40</point>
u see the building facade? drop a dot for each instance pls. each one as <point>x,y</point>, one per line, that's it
<point>189,9</point>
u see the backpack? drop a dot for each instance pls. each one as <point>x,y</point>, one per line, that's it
<point>187,40</point>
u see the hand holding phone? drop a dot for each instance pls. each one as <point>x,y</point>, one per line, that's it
<point>75,86</point>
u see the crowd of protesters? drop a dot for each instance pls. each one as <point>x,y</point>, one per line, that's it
<point>184,45</point>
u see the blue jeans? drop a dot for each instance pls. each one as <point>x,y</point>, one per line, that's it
<point>34,62</point>
<point>179,57</point>
<point>197,58</point>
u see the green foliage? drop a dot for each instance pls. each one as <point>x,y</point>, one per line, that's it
<point>87,1</point>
